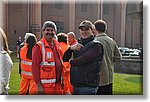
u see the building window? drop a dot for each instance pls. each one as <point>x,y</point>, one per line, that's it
<point>59,6</point>
<point>60,26</point>
<point>83,7</point>
<point>105,9</point>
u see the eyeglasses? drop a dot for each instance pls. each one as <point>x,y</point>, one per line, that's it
<point>84,29</point>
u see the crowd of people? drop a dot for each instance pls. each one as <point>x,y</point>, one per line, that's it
<point>60,64</point>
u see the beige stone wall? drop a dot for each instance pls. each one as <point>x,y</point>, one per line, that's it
<point>18,18</point>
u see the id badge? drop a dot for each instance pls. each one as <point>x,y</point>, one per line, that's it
<point>49,55</point>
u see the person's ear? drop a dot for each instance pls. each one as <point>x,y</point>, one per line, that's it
<point>42,31</point>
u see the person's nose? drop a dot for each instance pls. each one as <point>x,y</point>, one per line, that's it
<point>49,31</point>
<point>83,32</point>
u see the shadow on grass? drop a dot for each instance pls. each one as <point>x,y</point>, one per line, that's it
<point>14,58</point>
<point>136,80</point>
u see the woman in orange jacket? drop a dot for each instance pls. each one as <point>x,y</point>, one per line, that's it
<point>27,83</point>
<point>63,40</point>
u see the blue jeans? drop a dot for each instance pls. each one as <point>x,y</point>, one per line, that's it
<point>85,90</point>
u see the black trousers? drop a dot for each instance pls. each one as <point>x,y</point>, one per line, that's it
<point>105,90</point>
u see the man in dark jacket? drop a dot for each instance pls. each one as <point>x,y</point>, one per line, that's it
<point>85,65</point>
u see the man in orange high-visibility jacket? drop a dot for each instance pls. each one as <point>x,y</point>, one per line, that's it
<point>27,82</point>
<point>63,40</point>
<point>47,62</point>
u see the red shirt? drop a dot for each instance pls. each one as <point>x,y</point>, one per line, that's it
<point>74,42</point>
<point>36,60</point>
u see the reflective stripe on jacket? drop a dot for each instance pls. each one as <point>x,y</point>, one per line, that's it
<point>26,64</point>
<point>47,66</point>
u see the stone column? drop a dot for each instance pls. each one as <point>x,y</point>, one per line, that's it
<point>1,13</point>
<point>100,8</point>
<point>119,23</point>
<point>123,22</point>
<point>35,18</point>
<point>72,15</point>
<point>4,15</point>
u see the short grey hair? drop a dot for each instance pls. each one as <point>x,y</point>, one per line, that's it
<point>49,24</point>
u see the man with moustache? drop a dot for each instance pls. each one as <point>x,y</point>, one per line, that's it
<point>47,62</point>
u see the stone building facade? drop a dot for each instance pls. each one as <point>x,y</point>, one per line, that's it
<point>28,16</point>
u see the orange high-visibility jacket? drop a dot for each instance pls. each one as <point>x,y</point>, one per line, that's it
<point>47,66</point>
<point>67,84</point>
<point>26,64</point>
<point>64,47</point>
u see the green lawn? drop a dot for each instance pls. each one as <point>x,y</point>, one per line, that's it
<point>15,77</point>
<point>127,84</point>
<point>124,84</point>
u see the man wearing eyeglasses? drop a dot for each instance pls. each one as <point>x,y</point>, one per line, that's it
<point>47,62</point>
<point>85,65</point>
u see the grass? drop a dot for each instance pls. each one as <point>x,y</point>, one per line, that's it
<point>128,84</point>
<point>124,84</point>
<point>15,77</point>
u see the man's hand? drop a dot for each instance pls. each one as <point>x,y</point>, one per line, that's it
<point>77,46</point>
<point>40,89</point>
